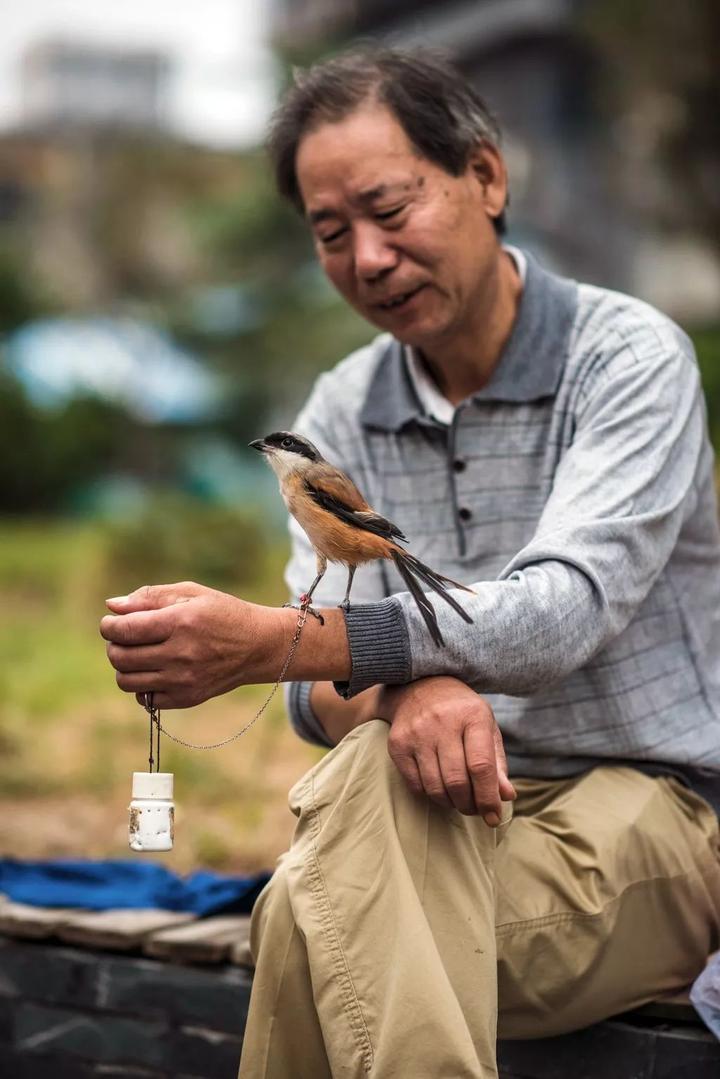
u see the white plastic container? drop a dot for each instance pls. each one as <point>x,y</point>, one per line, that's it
<point>152,812</point>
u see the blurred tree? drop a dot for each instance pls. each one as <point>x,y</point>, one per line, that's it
<point>45,456</point>
<point>295,324</point>
<point>250,231</point>
<point>662,79</point>
<point>662,89</point>
<point>707,344</point>
<point>20,299</point>
<point>221,547</point>
<point>192,239</point>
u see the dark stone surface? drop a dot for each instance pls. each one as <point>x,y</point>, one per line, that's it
<point>204,1053</point>
<point>122,1071</point>
<point>680,1054</point>
<point>45,973</point>
<point>19,1065</point>
<point>67,1013</point>
<point>214,997</point>
<point>7,1021</point>
<point>89,1035</point>
<point>615,1049</point>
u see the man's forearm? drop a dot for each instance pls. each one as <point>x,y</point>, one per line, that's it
<point>337,716</point>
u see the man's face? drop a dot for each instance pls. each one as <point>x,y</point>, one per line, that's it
<point>409,246</point>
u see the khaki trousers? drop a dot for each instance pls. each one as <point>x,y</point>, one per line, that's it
<point>396,938</point>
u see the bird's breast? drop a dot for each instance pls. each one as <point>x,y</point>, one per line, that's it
<point>336,539</point>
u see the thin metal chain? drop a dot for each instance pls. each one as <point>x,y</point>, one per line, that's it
<point>155,712</point>
<point>154,723</point>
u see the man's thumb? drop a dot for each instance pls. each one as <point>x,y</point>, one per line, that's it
<point>150,597</point>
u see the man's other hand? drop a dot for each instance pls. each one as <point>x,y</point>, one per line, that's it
<point>446,744</point>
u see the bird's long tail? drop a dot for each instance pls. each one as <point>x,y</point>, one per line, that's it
<point>412,570</point>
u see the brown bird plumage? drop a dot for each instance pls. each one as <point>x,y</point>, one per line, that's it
<point>342,527</point>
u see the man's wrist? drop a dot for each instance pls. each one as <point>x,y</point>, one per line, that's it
<point>322,654</point>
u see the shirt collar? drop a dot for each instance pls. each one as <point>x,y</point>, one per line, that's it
<point>529,369</point>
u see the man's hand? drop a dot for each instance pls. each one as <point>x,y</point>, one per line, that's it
<point>186,643</point>
<point>445,742</point>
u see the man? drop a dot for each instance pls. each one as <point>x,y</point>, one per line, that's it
<point>545,443</point>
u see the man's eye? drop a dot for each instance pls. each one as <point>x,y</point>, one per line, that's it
<point>332,236</point>
<point>385,214</point>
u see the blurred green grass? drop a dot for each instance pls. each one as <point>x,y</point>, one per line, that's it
<point>55,576</point>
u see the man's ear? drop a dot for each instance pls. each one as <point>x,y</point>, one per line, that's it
<point>489,169</point>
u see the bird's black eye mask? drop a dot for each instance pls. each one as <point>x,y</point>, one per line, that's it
<point>286,440</point>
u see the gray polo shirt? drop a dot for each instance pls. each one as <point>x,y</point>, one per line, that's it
<point>575,494</point>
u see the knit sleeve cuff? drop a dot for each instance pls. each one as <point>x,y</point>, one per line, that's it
<point>302,718</point>
<point>379,647</point>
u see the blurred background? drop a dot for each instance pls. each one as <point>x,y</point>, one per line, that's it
<point>159,308</point>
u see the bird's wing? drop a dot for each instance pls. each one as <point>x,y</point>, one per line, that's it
<point>331,481</point>
<point>337,494</point>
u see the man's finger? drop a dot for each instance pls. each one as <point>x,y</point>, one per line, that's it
<point>160,700</point>
<point>431,777</point>
<point>139,657</point>
<point>507,791</point>
<point>408,769</point>
<point>480,758</point>
<point>166,694</point>
<point>140,627</point>
<point>455,777</point>
<point>139,681</point>
<point>152,596</point>
<point>163,701</point>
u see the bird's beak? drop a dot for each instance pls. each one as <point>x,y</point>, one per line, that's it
<point>258,444</point>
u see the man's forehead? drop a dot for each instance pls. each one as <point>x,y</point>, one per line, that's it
<point>357,155</point>
<point>322,202</point>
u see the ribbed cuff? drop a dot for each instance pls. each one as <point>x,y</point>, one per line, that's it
<point>302,718</point>
<point>379,646</point>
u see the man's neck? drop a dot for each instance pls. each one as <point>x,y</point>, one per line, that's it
<point>467,362</point>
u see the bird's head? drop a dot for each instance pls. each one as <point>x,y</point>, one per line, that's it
<point>287,452</point>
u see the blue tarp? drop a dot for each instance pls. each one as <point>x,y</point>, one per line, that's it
<point>114,885</point>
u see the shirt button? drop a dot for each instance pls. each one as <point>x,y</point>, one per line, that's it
<point>459,465</point>
<point>464,514</point>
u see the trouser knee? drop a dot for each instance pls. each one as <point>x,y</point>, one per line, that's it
<point>358,767</point>
<point>271,908</point>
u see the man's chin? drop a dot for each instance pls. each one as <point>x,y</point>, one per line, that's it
<point>413,332</point>
<point>421,336</point>
<point>410,323</point>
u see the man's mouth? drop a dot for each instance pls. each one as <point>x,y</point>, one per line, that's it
<point>399,299</point>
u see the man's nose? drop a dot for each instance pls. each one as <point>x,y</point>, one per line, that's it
<point>373,255</point>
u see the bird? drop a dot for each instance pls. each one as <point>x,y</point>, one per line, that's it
<point>342,527</point>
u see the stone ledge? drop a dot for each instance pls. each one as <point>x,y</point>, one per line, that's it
<point>619,1048</point>
<point>69,1014</point>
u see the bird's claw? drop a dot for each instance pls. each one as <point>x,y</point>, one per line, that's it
<point>304,605</point>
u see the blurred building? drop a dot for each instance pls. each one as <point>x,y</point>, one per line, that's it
<point>72,84</point>
<point>573,184</point>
